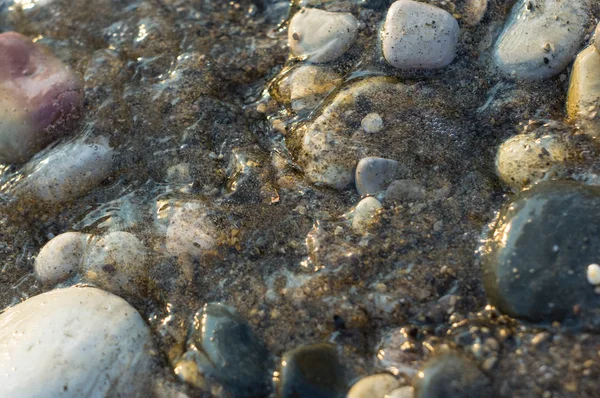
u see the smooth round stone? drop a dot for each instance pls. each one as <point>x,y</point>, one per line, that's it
<point>528,158</point>
<point>68,171</point>
<point>536,256</point>
<point>321,36</point>
<point>224,347</point>
<point>74,342</point>
<point>61,257</point>
<point>584,91</point>
<point>117,262</point>
<point>375,386</point>
<point>311,371</point>
<point>364,212</point>
<point>373,175</point>
<point>472,11</point>
<point>372,123</point>
<point>419,36</point>
<point>593,274</point>
<point>452,376</point>
<point>540,38</point>
<point>39,98</point>
<point>190,230</point>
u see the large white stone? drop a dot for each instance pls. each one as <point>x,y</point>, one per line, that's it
<point>61,257</point>
<point>321,36</point>
<point>541,37</point>
<point>74,342</point>
<point>419,36</point>
<point>68,171</point>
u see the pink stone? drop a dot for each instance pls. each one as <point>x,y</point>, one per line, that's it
<point>40,98</point>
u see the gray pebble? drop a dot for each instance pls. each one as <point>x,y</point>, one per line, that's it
<point>374,174</point>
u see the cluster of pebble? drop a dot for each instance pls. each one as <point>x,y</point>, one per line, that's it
<point>360,130</point>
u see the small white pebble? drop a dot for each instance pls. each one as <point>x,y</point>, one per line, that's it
<point>593,274</point>
<point>372,123</point>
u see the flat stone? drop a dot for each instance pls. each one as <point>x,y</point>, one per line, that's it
<point>419,36</point>
<point>311,371</point>
<point>374,386</point>
<point>61,257</point>
<point>583,102</point>
<point>373,175</point>
<point>450,375</point>
<point>321,36</point>
<point>40,98</point>
<point>536,257</point>
<point>74,342</point>
<point>541,37</point>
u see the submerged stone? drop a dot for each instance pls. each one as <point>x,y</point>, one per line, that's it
<point>39,98</point>
<point>312,371</point>
<point>74,342</point>
<point>224,348</point>
<point>373,175</point>
<point>418,36</point>
<point>535,260</point>
<point>374,386</point>
<point>541,37</point>
<point>61,257</point>
<point>450,375</point>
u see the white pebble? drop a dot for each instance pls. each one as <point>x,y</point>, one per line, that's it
<point>309,84</point>
<point>68,171</point>
<point>364,212</point>
<point>593,274</point>
<point>540,38</point>
<point>321,36</point>
<point>372,123</point>
<point>584,91</point>
<point>419,36</point>
<point>190,230</point>
<point>61,257</point>
<point>74,342</point>
<point>374,386</point>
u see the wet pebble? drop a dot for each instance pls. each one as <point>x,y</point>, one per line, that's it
<point>540,38</point>
<point>117,262</point>
<point>450,375</point>
<point>311,371</point>
<point>223,347</point>
<point>584,91</point>
<point>373,175</point>
<point>372,123</point>
<point>310,84</point>
<point>61,257</point>
<point>375,386</point>
<point>364,213</point>
<point>74,342</point>
<point>40,98</point>
<point>190,230</point>
<point>67,171</point>
<point>536,257</point>
<point>529,158</point>
<point>321,36</point>
<point>419,36</point>
<point>405,190</point>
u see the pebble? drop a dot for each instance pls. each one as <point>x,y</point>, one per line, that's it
<point>528,158</point>
<point>374,386</point>
<point>321,36</point>
<point>523,273</point>
<point>223,347</point>
<point>540,38</point>
<point>584,91</point>
<point>74,342</point>
<point>39,98</point>
<point>364,212</point>
<point>405,190</point>
<point>372,123</point>
<point>190,230</point>
<point>311,371</point>
<point>309,84</point>
<point>67,171</point>
<point>61,257</point>
<point>117,262</point>
<point>419,36</point>
<point>450,375</point>
<point>373,175</point>
<point>593,274</point>
<point>402,392</point>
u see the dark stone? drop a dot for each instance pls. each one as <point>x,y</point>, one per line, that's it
<point>452,376</point>
<point>312,371</point>
<point>229,352</point>
<point>535,259</point>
